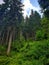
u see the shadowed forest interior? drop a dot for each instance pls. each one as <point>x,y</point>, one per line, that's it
<point>24,41</point>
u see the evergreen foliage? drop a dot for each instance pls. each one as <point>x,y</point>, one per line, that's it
<point>45,7</point>
<point>23,41</point>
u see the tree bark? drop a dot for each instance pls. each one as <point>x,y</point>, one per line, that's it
<point>8,35</point>
<point>2,38</point>
<point>14,34</point>
<point>9,44</point>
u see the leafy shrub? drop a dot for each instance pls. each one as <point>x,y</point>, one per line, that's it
<point>40,35</point>
<point>18,44</point>
<point>2,49</point>
<point>32,53</point>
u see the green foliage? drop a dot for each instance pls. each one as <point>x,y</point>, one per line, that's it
<point>18,44</point>
<point>4,60</point>
<point>32,25</point>
<point>40,35</point>
<point>45,26</point>
<point>44,32</point>
<point>34,28</point>
<point>10,19</point>
<point>2,49</point>
<point>32,53</point>
<point>45,7</point>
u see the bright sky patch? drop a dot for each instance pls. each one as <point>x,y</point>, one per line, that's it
<point>28,6</point>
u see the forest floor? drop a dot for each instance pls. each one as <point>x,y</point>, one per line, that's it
<point>32,53</point>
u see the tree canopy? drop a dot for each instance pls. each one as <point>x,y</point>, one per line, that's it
<point>45,6</point>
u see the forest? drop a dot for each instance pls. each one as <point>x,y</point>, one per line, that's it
<point>24,41</point>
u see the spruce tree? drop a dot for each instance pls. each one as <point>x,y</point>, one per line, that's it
<point>45,7</point>
<point>11,16</point>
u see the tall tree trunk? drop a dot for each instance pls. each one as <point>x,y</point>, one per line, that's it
<point>9,44</point>
<point>9,28</point>
<point>21,36</point>
<point>2,38</point>
<point>13,34</point>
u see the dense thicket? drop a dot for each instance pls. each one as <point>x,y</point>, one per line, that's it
<point>23,41</point>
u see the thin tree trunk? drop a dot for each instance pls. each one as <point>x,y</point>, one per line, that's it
<point>2,38</point>
<point>13,34</point>
<point>20,35</point>
<point>9,44</point>
<point>7,35</point>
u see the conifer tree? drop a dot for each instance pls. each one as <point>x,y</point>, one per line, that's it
<point>45,7</point>
<point>11,16</point>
